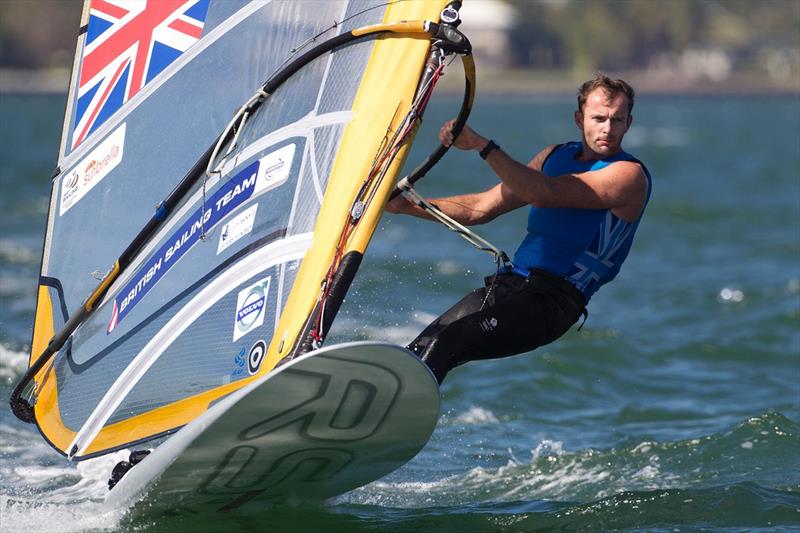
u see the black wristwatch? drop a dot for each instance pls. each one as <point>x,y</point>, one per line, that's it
<point>488,149</point>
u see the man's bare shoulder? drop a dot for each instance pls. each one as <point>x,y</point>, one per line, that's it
<point>631,172</point>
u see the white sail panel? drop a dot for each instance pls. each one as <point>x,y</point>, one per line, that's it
<point>228,272</point>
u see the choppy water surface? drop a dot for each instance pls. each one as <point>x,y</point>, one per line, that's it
<point>675,408</point>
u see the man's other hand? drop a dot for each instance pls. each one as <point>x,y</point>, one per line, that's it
<point>468,139</point>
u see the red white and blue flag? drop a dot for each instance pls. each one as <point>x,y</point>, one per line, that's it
<point>128,43</point>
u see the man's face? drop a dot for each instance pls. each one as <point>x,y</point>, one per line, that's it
<point>604,122</point>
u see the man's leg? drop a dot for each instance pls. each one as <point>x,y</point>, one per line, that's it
<point>470,304</point>
<point>514,319</point>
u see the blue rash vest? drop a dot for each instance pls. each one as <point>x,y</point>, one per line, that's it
<point>585,246</point>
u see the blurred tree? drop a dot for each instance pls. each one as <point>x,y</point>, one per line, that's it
<point>535,40</point>
<point>663,27</point>
<point>586,35</point>
<point>38,33</point>
<point>759,36</point>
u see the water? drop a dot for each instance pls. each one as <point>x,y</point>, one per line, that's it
<point>675,408</point>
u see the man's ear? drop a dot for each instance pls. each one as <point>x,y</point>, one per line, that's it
<point>578,119</point>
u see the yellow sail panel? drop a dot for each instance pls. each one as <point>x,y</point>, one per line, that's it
<point>48,415</point>
<point>157,421</point>
<point>384,97</point>
<point>43,329</point>
<point>46,408</point>
<point>160,420</point>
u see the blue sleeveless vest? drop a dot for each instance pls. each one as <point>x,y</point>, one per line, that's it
<point>585,246</point>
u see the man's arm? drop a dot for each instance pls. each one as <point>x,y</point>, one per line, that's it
<point>620,187</point>
<point>467,209</point>
<point>471,209</point>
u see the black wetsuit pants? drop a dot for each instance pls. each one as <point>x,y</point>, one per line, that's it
<point>510,315</point>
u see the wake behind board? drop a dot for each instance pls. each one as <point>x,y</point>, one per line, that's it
<point>326,423</point>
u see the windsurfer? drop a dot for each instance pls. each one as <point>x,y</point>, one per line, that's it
<point>586,201</point>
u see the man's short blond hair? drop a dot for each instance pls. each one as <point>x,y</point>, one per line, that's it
<point>610,87</point>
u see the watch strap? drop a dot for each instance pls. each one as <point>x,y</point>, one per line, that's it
<point>490,146</point>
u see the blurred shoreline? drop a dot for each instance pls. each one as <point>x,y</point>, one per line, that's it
<point>520,82</point>
<point>512,82</point>
<point>22,81</point>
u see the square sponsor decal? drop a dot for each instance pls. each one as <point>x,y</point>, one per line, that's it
<point>251,306</point>
<point>238,227</point>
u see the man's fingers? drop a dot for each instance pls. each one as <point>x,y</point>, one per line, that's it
<point>445,136</point>
<point>446,133</point>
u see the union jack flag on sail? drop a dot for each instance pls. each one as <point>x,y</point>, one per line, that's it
<point>128,43</point>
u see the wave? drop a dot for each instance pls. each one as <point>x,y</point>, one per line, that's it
<point>739,506</point>
<point>21,515</point>
<point>660,137</point>
<point>762,450</point>
<point>39,489</point>
<point>16,252</point>
<point>746,477</point>
<point>12,364</point>
<point>474,416</point>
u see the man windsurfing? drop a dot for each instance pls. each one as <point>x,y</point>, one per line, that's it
<point>586,200</point>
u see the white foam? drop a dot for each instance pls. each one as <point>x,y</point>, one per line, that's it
<point>547,448</point>
<point>793,286</point>
<point>476,416</point>
<point>651,471</point>
<point>12,363</point>
<point>643,447</point>
<point>15,252</point>
<point>422,318</point>
<point>731,295</point>
<point>32,515</point>
<point>551,473</point>
<point>449,268</point>
<point>40,494</point>
<point>406,494</point>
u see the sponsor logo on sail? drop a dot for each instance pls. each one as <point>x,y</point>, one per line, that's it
<point>251,308</point>
<point>92,169</point>
<point>275,168</point>
<point>256,356</point>
<point>239,361</point>
<point>71,183</point>
<point>238,227</point>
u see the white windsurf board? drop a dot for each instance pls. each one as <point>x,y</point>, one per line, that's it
<point>323,424</point>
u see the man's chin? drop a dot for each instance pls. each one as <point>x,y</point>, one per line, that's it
<point>605,149</point>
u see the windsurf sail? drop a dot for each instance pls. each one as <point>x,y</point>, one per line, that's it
<point>223,166</point>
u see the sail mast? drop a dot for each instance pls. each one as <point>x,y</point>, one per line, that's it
<point>73,80</point>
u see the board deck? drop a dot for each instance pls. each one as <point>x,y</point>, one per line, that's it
<point>328,422</point>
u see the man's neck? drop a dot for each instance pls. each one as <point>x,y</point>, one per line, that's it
<point>587,155</point>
